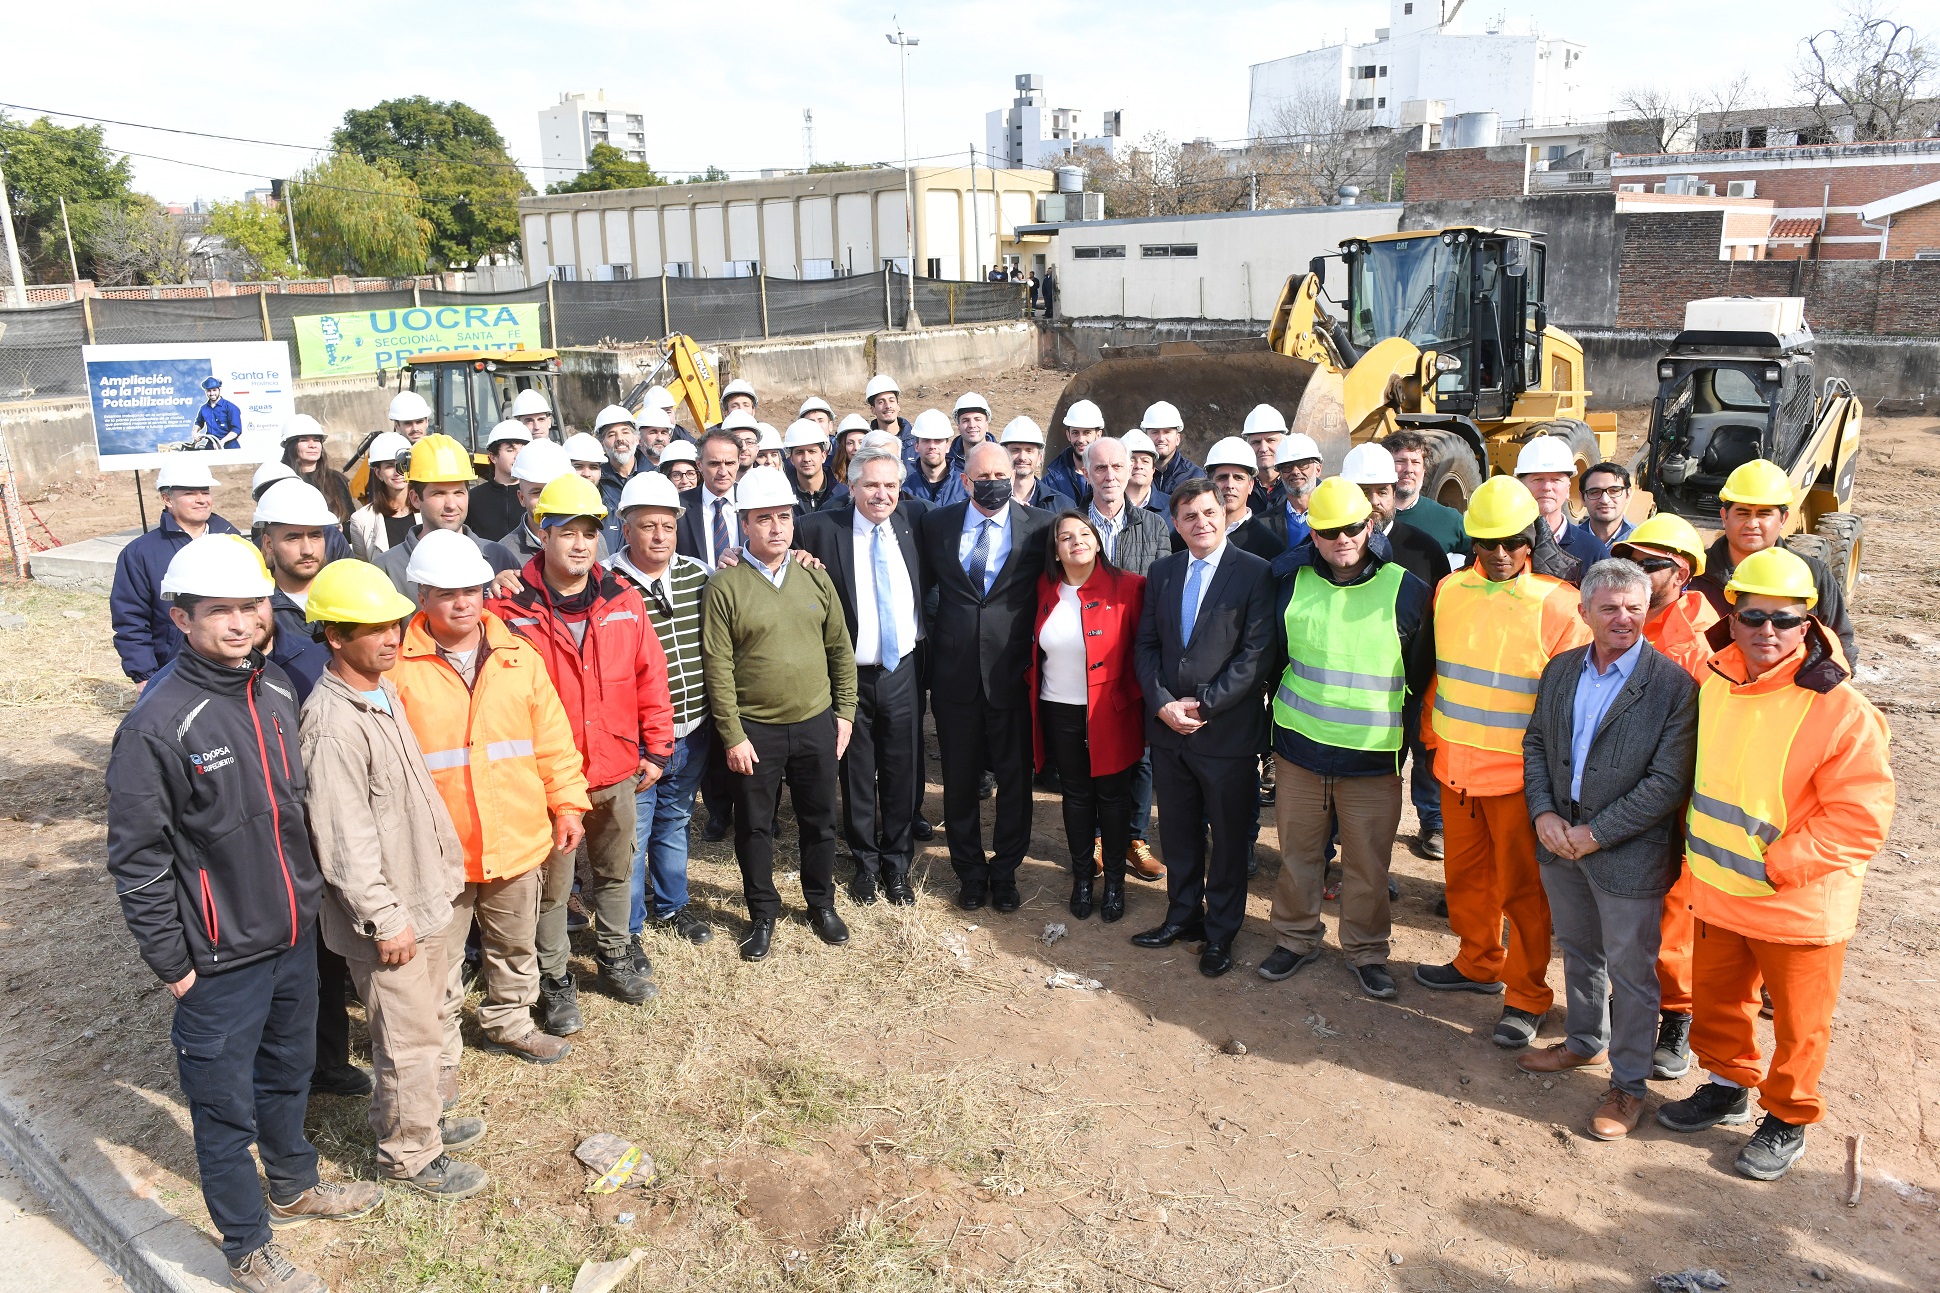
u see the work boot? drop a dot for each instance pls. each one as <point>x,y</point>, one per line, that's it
<point>1617,1114</point>
<point>1559,1058</point>
<point>689,926</point>
<point>1709,1105</point>
<point>536,1047</point>
<point>1772,1149</point>
<point>638,954</point>
<point>327,1201</point>
<point>460,1134</point>
<point>1446,978</point>
<point>1516,1029</point>
<point>1376,981</point>
<point>624,980</point>
<point>1283,963</point>
<point>341,1079</point>
<point>1139,860</point>
<point>1672,1058</point>
<point>1429,844</point>
<point>446,1179</point>
<point>559,1006</point>
<point>267,1270</point>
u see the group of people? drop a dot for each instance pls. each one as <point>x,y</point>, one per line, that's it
<point>495,702</point>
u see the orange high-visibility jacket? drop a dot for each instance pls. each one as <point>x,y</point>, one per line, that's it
<point>1791,798</point>
<point>501,752</point>
<point>1491,643</point>
<point>1679,632</point>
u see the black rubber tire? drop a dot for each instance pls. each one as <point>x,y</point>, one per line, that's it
<point>1451,473</point>
<point>1844,534</point>
<point>1809,545</point>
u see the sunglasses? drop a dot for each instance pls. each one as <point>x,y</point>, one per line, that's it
<point>1651,565</point>
<point>1783,621</point>
<point>1335,532</point>
<point>1513,543</point>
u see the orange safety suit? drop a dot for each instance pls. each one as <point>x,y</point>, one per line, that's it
<point>1491,643</point>
<point>1791,797</point>
<point>1679,632</point>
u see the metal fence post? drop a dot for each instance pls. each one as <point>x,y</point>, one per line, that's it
<point>763,276</point>
<point>888,304</point>
<point>552,312</point>
<point>87,317</point>
<point>417,297</point>
<point>666,314</point>
<point>262,299</point>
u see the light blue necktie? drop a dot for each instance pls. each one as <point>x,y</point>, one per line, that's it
<point>885,605</point>
<point>1189,605</point>
<point>980,558</point>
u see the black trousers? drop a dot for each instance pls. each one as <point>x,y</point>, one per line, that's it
<point>1192,790</point>
<point>1094,807</point>
<point>882,783</point>
<point>802,755</point>
<point>333,1018</point>
<point>974,734</point>
<point>717,785</point>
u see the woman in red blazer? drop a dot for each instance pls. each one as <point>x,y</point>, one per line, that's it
<point>1087,713</point>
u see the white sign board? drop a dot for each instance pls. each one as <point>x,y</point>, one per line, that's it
<point>152,402</point>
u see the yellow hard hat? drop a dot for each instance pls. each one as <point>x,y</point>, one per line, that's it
<point>1672,532</point>
<point>1502,507</point>
<point>1337,501</point>
<point>349,591</point>
<point>1759,483</point>
<point>439,459</point>
<point>1774,572</point>
<point>568,496</point>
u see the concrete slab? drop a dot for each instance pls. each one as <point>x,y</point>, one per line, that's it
<point>89,564</point>
<point>34,1245</point>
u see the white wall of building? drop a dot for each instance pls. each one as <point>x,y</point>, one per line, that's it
<point>569,129</point>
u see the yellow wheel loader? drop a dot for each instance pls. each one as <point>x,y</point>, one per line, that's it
<point>470,392</point>
<point>1445,333</point>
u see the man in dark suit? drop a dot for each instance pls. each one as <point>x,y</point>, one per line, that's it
<point>709,526</point>
<point>983,557</point>
<point>870,550</point>
<point>1207,627</point>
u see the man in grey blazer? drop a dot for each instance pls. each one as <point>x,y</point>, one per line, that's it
<point>1607,765</point>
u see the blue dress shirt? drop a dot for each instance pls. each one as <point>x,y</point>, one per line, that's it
<point>1594,693</point>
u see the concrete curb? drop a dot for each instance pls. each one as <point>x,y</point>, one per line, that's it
<point>152,1249</point>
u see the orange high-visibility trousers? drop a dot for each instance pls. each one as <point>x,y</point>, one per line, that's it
<point>1804,982</point>
<point>1489,864</point>
<point>1674,948</point>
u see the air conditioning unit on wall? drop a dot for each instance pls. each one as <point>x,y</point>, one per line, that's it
<point>1741,189</point>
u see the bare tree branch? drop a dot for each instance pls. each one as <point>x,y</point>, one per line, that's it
<point>1872,71</point>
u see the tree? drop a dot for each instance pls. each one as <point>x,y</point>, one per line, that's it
<point>45,163</point>
<point>1661,120</point>
<point>1161,176</point>
<point>1871,71</point>
<point>457,164</point>
<point>712,175</point>
<point>1317,144</point>
<point>140,241</point>
<point>258,238</point>
<point>356,218</point>
<point>607,169</point>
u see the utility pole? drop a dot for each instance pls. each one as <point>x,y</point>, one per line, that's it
<point>808,139</point>
<point>903,41</point>
<point>289,214</point>
<point>13,247</point>
<point>976,216</point>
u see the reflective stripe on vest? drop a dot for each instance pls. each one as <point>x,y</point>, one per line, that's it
<point>1337,638</point>
<point>1489,658</point>
<point>444,760</point>
<point>1738,788</point>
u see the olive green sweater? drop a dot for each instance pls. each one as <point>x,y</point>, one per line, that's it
<point>774,655</point>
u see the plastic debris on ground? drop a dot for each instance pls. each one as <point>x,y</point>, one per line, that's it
<point>1701,1279</point>
<point>1066,979</point>
<point>618,1162</point>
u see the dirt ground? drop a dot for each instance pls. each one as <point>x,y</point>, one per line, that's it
<point>919,1110</point>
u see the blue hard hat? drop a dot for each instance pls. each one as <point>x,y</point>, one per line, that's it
<point>211,384</point>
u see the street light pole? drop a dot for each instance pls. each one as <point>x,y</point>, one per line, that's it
<point>902,41</point>
<point>13,248</point>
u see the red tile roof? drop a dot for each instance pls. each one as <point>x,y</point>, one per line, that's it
<point>1799,228</point>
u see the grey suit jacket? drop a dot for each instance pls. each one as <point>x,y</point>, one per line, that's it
<point>1638,776</point>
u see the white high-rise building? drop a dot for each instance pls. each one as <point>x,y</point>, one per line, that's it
<point>1028,134</point>
<point>1426,67</point>
<point>569,129</point>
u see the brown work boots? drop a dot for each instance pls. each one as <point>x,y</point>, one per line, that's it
<point>536,1047</point>
<point>267,1270</point>
<point>1617,1114</point>
<point>1557,1058</point>
<point>327,1201</point>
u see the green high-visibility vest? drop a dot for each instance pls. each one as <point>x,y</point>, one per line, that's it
<point>1344,682</point>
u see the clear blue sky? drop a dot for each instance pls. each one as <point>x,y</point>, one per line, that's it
<point>288,72</point>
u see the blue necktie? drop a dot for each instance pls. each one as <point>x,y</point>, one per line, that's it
<point>1189,604</point>
<point>885,606</point>
<point>980,557</point>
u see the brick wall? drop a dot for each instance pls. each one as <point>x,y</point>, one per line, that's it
<point>1445,174</point>
<point>1914,231</point>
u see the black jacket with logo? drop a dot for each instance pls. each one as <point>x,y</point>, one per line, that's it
<point>207,841</point>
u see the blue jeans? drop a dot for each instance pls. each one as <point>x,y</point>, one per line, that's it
<point>1142,795</point>
<point>664,810</point>
<point>1423,789</point>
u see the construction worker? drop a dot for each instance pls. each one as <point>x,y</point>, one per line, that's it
<point>590,627</point>
<point>410,416</point>
<point>1297,469</point>
<point>212,863</point>
<point>1067,474</point>
<point>1353,639</point>
<point>391,864</point>
<point>587,455</point>
<point>931,477</point>
<point>1792,797</point>
<point>659,397</point>
<point>304,453</point>
<point>817,410</point>
<point>656,434</point>
<point>500,750</point>
<point>534,467</point>
<point>1436,520</point>
<point>268,474</point>
<point>885,399</point>
<point>807,446</point>
<point>1263,430</point>
<point>768,448</point>
<point>439,482</point>
<point>530,410</point>
<point>1756,502</point>
<point>494,511</point>
<point>290,521</point>
<point>680,464</point>
<point>971,413</point>
<point>1496,625</point>
<point>1231,465</point>
<point>386,516</point>
<point>1023,439</point>
<point>746,430</point>
<point>1139,490</point>
<point>145,634</point>
<point>620,438</point>
<point>738,394</point>
<point>1606,493</point>
<point>1167,429</point>
<point>1546,466</point>
<point>219,418</point>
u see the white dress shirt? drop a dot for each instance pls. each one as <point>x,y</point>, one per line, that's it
<point>999,543</point>
<point>1065,679</point>
<point>708,500</point>
<point>868,625</point>
<point>1205,580</point>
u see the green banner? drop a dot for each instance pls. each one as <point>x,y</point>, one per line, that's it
<point>367,340</point>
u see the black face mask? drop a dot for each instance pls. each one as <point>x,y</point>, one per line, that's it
<point>990,494</point>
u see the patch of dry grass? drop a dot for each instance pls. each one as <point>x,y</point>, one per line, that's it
<point>64,655</point>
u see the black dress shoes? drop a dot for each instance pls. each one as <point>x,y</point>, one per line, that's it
<point>863,889</point>
<point>1113,906</point>
<point>922,830</point>
<point>1081,898</point>
<point>1004,895</point>
<point>715,831</point>
<point>1168,934</point>
<point>896,889</point>
<point>1216,959</point>
<point>759,939</point>
<point>828,926</point>
<point>971,897</point>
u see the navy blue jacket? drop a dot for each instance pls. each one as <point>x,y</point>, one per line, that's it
<point>943,493</point>
<point>145,637</point>
<point>1065,475</point>
<point>1175,473</point>
<point>222,420</point>
<point>1046,499</point>
<point>1579,542</point>
<point>293,650</point>
<point>611,483</point>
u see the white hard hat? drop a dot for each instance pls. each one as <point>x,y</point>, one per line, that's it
<point>301,425</point>
<point>768,439</point>
<point>1085,415</point>
<point>650,489</point>
<point>508,430</point>
<point>1546,453</point>
<point>763,487</point>
<point>269,473</point>
<point>1264,420</point>
<point>448,559</point>
<point>652,415</point>
<point>1022,430</point>
<point>1369,464</point>
<point>293,502</point>
<point>529,402</point>
<point>853,422</point>
<point>803,433</point>
<point>970,402</point>
<point>740,420</point>
<point>217,565</point>
<point>1231,452</point>
<point>581,447</point>
<point>1297,447</point>
<point>679,451</point>
<point>814,404</point>
<point>739,386</point>
<point>611,415</point>
<point>658,397</point>
<point>184,473</point>
<point>408,406</point>
<point>880,384</point>
<point>1161,416</point>
<point>933,424</point>
<point>541,463</point>
<point>385,446</point>
<point>1136,441</point>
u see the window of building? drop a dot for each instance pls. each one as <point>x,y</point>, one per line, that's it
<point>1097,253</point>
<point>1755,136</point>
<point>678,269</point>
<point>566,273</point>
<point>1384,69</point>
<point>1169,250</point>
<point>1815,136</point>
<point>1364,73</point>
<point>933,267</point>
<point>1381,103</point>
<point>1927,253</point>
<point>1363,105</point>
<point>1407,8</point>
